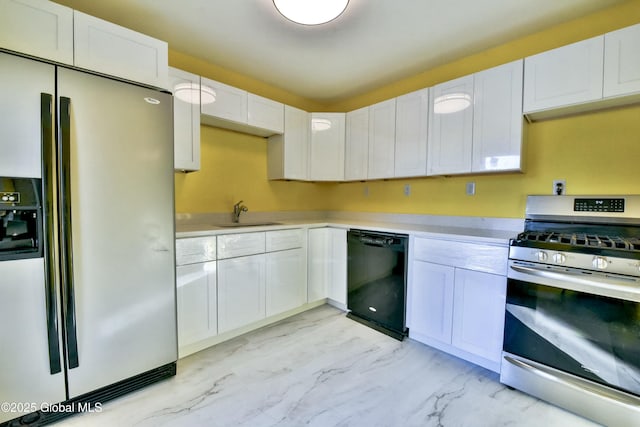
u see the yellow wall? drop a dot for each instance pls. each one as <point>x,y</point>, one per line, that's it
<point>595,152</point>
<point>234,167</point>
<point>579,149</point>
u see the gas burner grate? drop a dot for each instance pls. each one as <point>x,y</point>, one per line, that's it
<point>582,240</point>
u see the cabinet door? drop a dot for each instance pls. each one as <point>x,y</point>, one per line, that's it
<point>622,62</point>
<point>564,76</point>
<point>37,27</point>
<point>186,119</point>
<point>412,116</point>
<point>431,302</point>
<point>478,314</point>
<point>326,156</point>
<point>356,145</point>
<point>241,291</point>
<point>286,286</point>
<point>336,259</point>
<point>451,127</point>
<point>318,247</point>
<point>497,118</point>
<point>288,154</point>
<point>111,49</point>
<point>265,113</point>
<point>382,134</point>
<point>197,302</point>
<point>230,103</point>
<point>327,264</point>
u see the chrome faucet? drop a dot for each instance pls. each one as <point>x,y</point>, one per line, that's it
<point>238,208</point>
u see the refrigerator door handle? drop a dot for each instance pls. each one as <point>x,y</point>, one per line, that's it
<point>66,245</point>
<point>46,127</point>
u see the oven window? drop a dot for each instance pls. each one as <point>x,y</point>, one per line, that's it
<point>594,337</point>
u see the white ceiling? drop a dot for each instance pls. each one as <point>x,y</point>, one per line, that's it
<point>373,43</point>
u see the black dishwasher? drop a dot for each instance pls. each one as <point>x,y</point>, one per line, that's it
<point>377,280</point>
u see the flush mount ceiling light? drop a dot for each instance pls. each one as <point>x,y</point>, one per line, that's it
<point>193,93</point>
<point>311,12</point>
<point>451,103</point>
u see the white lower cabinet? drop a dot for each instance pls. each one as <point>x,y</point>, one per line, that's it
<point>432,302</point>
<point>478,313</point>
<point>459,310</point>
<point>241,291</point>
<point>327,265</point>
<point>196,292</point>
<point>286,280</point>
<point>197,302</point>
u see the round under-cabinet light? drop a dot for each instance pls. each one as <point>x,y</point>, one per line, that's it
<point>451,103</point>
<point>193,93</point>
<point>311,12</point>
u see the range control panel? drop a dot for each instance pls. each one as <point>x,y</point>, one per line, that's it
<point>12,197</point>
<point>598,205</point>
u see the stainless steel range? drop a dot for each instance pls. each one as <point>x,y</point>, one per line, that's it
<point>572,324</point>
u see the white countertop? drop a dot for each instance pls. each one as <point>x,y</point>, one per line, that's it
<point>482,235</point>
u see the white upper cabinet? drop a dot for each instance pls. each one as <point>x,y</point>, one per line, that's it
<point>241,111</point>
<point>356,145</point>
<point>622,62</point>
<point>497,119</point>
<point>288,154</point>
<point>111,49</point>
<point>451,127</point>
<point>37,27</point>
<point>564,76</point>
<point>265,114</point>
<point>326,154</point>
<point>186,119</point>
<point>382,134</point>
<point>230,103</point>
<point>412,117</point>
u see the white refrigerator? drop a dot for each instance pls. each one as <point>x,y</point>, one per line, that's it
<point>92,314</point>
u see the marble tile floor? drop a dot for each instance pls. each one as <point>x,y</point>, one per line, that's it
<point>321,369</point>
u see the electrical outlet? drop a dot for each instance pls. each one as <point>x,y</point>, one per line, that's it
<point>559,187</point>
<point>365,191</point>
<point>407,189</point>
<point>470,188</point>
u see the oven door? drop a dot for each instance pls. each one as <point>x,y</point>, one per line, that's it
<point>579,322</point>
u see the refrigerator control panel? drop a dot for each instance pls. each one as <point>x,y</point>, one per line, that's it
<point>9,197</point>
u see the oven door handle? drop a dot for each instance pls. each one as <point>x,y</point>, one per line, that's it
<point>614,287</point>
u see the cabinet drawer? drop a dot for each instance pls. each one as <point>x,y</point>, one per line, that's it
<point>472,256</point>
<point>235,245</point>
<point>195,249</point>
<point>284,239</point>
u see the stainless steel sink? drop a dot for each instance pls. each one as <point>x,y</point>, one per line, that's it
<point>244,224</point>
